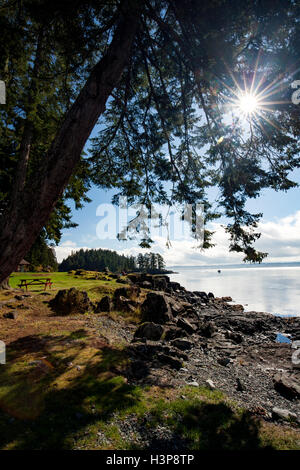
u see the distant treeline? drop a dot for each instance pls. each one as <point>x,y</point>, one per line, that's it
<point>99,259</point>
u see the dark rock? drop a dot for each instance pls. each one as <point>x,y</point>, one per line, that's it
<point>105,305</point>
<point>23,307</point>
<point>156,308</point>
<point>159,283</point>
<point>208,329</point>
<point>175,286</point>
<point>69,301</point>
<point>13,306</point>
<point>125,305</point>
<point>149,330</point>
<point>79,272</point>
<point>128,292</point>
<point>175,352</point>
<point>185,325</point>
<point>201,294</point>
<point>115,276</point>
<point>139,369</point>
<point>210,295</point>
<point>20,297</point>
<point>170,361</point>
<point>242,324</point>
<point>286,386</point>
<point>240,386</point>
<point>124,298</point>
<point>235,337</point>
<point>146,284</point>
<point>223,361</point>
<point>11,315</point>
<point>172,332</point>
<point>237,307</point>
<point>176,307</point>
<point>182,343</point>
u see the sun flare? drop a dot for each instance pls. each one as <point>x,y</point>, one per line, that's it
<point>248,103</point>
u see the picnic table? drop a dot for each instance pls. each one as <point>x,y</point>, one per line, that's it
<point>41,281</point>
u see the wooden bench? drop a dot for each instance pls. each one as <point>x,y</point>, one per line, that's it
<point>42,281</point>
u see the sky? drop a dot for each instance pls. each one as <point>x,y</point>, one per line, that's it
<point>279,226</point>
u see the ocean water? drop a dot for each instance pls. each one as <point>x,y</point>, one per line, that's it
<point>268,287</point>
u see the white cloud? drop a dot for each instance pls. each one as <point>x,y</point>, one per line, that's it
<point>65,249</point>
<point>280,238</point>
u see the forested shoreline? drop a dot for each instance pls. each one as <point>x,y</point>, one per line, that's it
<point>100,259</point>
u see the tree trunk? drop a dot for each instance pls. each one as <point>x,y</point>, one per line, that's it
<point>5,284</point>
<point>21,226</point>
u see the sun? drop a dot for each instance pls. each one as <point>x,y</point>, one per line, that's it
<point>248,103</point>
<point>251,99</point>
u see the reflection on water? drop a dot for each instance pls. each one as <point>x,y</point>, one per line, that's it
<point>264,288</point>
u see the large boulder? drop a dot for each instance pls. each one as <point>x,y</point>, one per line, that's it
<point>207,329</point>
<point>182,343</point>
<point>170,361</point>
<point>203,295</point>
<point>172,332</point>
<point>124,298</point>
<point>149,281</point>
<point>105,305</point>
<point>11,315</point>
<point>130,292</point>
<point>185,325</point>
<point>124,304</point>
<point>175,286</point>
<point>159,283</point>
<point>156,308</point>
<point>287,386</point>
<point>149,330</point>
<point>237,307</point>
<point>242,324</point>
<point>176,307</point>
<point>146,285</point>
<point>69,301</point>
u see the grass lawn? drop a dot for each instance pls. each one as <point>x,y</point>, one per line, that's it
<point>64,385</point>
<point>66,281</point>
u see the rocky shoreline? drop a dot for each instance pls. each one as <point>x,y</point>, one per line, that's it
<point>194,338</point>
<point>197,339</point>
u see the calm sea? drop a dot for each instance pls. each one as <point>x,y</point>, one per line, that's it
<point>273,288</point>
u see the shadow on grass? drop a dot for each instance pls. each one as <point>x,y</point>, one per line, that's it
<point>50,404</point>
<point>48,407</point>
<point>40,343</point>
<point>216,426</point>
<point>202,426</point>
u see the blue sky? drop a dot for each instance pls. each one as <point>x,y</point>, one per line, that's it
<point>280,227</point>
